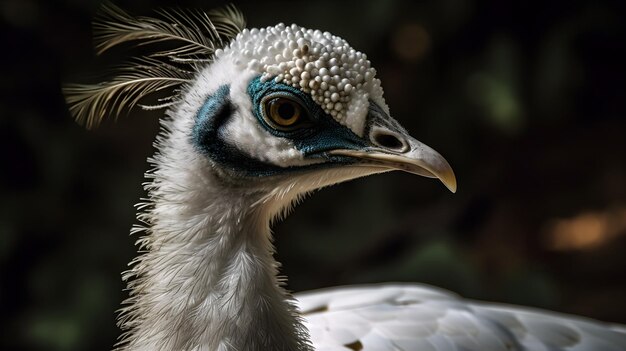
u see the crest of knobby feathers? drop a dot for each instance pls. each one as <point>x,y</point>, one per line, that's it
<point>191,38</point>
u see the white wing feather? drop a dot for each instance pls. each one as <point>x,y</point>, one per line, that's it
<point>408,317</point>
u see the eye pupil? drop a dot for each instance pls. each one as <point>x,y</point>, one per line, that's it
<point>283,112</point>
<point>286,110</point>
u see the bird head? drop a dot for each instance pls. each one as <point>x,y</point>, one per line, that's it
<point>301,109</point>
<point>284,109</point>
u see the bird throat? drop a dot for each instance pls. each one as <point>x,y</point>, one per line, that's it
<point>206,279</point>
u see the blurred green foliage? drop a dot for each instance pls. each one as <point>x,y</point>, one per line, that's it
<point>525,99</point>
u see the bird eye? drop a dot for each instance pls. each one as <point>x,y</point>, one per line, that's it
<point>283,113</point>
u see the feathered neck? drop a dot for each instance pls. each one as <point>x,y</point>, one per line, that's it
<point>206,279</point>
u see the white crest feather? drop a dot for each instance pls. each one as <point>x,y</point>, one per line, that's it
<point>192,35</point>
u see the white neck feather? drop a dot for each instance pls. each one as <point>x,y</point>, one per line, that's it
<point>207,279</point>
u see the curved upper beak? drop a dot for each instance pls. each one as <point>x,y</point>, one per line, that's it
<point>421,160</point>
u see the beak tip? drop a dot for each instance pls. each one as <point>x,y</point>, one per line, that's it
<point>452,189</point>
<point>451,185</point>
<point>449,179</point>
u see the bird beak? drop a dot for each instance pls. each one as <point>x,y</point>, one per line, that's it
<point>396,151</point>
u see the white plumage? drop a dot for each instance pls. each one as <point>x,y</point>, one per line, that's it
<point>419,317</point>
<point>279,112</point>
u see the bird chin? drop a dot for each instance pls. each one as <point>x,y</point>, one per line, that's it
<point>311,181</point>
<point>285,193</point>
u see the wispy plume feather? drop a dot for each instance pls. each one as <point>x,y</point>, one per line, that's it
<point>192,35</point>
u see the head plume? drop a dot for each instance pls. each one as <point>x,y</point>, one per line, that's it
<point>191,37</point>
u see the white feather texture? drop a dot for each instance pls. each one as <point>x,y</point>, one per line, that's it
<point>407,317</point>
<point>208,280</point>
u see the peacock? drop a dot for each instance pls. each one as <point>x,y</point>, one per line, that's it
<point>255,120</point>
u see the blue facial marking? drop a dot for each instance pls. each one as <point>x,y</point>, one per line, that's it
<point>321,134</point>
<point>206,137</point>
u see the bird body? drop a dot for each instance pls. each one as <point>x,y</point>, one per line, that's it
<point>251,128</point>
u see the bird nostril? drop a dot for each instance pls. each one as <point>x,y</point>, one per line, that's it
<point>388,141</point>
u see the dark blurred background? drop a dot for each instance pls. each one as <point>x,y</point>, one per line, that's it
<point>525,99</point>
